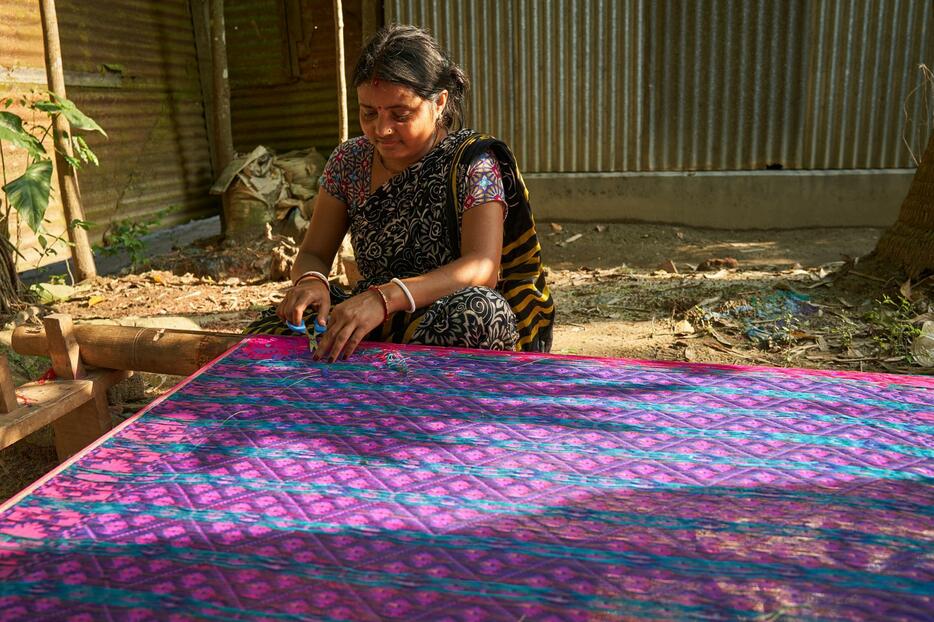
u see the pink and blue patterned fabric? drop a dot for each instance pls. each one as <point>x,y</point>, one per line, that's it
<point>415,483</point>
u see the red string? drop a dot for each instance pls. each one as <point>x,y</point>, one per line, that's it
<point>48,375</point>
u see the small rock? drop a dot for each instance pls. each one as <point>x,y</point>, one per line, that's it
<point>922,347</point>
<point>669,266</point>
<point>684,328</point>
<point>556,227</point>
<point>600,228</point>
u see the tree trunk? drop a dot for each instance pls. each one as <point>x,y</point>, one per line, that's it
<point>10,285</point>
<point>909,243</point>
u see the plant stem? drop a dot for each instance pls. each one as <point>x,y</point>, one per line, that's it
<point>2,163</point>
<point>47,129</point>
<point>70,275</point>
<point>6,207</point>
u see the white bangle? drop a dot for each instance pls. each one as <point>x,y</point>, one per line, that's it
<point>317,275</point>
<point>408,294</point>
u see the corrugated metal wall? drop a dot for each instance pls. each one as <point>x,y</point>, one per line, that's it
<point>157,155</point>
<point>282,72</point>
<point>131,65</point>
<point>646,85</point>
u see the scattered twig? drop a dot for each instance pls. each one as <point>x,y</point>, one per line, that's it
<point>869,276</point>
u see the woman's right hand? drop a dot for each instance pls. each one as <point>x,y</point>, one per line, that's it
<point>312,293</point>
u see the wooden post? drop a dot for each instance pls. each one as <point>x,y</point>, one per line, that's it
<point>341,77</point>
<point>67,178</point>
<point>63,348</point>
<point>223,135</point>
<point>223,151</point>
<point>8,402</point>
<point>201,20</point>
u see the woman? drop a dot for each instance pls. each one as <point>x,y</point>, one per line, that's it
<point>438,216</point>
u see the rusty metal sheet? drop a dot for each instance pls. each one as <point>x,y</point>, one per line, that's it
<point>132,66</point>
<point>282,71</point>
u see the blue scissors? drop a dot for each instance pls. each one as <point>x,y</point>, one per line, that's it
<point>301,329</point>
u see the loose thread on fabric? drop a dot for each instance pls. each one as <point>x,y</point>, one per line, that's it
<point>208,431</point>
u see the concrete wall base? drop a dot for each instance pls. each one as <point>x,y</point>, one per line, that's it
<point>725,200</point>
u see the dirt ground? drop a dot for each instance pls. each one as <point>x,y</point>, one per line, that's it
<point>799,298</point>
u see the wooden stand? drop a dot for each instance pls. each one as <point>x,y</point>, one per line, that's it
<point>75,403</point>
<point>154,350</point>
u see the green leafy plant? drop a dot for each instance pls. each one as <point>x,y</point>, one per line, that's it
<point>890,325</point>
<point>29,193</point>
<point>127,236</point>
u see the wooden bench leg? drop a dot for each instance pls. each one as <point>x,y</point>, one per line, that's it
<point>82,426</point>
<point>8,401</point>
<point>86,423</point>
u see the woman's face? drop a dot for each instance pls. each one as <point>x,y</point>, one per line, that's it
<point>399,123</point>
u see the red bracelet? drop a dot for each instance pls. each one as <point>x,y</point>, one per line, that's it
<point>384,300</point>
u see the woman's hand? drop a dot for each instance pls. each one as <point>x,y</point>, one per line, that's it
<point>312,293</point>
<point>350,322</point>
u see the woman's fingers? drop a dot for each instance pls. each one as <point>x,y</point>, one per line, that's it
<point>299,298</point>
<point>324,309</point>
<point>334,341</point>
<point>351,346</point>
<point>348,325</point>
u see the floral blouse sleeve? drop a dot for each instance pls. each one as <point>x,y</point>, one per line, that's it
<point>484,182</point>
<point>347,172</point>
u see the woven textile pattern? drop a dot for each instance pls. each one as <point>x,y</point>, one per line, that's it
<point>414,483</point>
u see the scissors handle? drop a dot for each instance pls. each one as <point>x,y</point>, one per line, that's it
<point>302,329</point>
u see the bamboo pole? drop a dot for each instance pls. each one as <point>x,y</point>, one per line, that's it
<point>153,350</point>
<point>201,21</point>
<point>341,76</point>
<point>220,102</point>
<point>67,178</point>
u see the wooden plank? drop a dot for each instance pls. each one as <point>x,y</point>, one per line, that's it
<point>8,401</point>
<point>45,403</point>
<point>63,347</point>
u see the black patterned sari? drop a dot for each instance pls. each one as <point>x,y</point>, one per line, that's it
<point>412,224</point>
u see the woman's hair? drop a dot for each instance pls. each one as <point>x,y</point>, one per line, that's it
<point>411,57</point>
